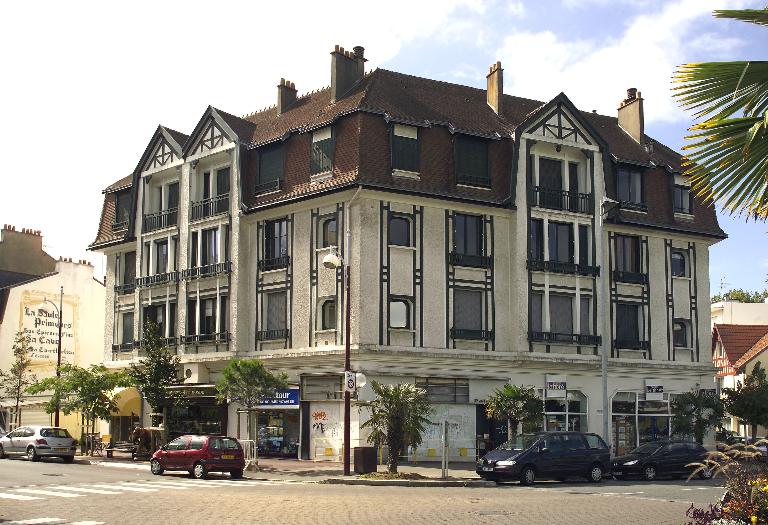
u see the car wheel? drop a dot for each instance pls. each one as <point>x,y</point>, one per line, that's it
<point>2,453</point>
<point>68,459</point>
<point>32,454</point>
<point>649,473</point>
<point>156,468</point>
<point>199,471</point>
<point>595,473</point>
<point>527,476</point>
<point>706,473</point>
<point>236,474</point>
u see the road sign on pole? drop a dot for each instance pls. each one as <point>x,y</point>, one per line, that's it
<point>350,382</point>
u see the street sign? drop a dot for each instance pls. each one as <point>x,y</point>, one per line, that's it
<point>350,382</point>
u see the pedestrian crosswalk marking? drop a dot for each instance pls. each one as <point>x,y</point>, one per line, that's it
<point>17,497</point>
<point>83,489</point>
<point>37,521</point>
<point>48,493</point>
<point>122,487</point>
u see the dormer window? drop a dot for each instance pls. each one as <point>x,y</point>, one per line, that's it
<point>472,161</point>
<point>122,209</point>
<point>629,187</point>
<point>321,160</point>
<point>681,199</point>
<point>270,168</point>
<point>405,148</point>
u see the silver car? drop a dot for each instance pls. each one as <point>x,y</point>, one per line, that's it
<point>36,441</point>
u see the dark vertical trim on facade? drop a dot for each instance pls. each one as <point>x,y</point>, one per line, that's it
<point>421,274</point>
<point>612,298</point>
<point>289,285</point>
<point>528,183</point>
<point>414,273</point>
<point>382,273</point>
<point>341,237</point>
<point>491,284</point>
<point>694,299</point>
<point>313,224</point>
<point>647,296</point>
<point>670,298</point>
<point>448,276</point>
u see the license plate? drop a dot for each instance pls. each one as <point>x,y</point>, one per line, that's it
<point>227,456</point>
<point>487,469</point>
<point>60,449</point>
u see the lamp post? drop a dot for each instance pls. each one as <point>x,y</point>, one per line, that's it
<point>58,349</point>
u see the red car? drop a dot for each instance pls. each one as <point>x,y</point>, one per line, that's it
<point>200,455</point>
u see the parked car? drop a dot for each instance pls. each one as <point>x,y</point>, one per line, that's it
<point>660,458</point>
<point>547,455</point>
<point>760,444</point>
<point>728,437</point>
<point>38,441</point>
<point>200,455</point>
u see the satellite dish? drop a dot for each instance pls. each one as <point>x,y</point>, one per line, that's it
<point>360,379</point>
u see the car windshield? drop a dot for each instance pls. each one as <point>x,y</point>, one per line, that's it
<point>519,442</point>
<point>54,433</point>
<point>647,448</point>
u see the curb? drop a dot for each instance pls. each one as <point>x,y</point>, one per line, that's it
<point>410,483</point>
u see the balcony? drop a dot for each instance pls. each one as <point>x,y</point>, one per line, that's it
<point>207,270</point>
<point>268,187</point>
<point>209,207</point>
<point>621,276</point>
<point>631,344</point>
<point>160,220</point>
<point>536,265</point>
<point>633,206</point>
<point>275,263</point>
<point>215,338</point>
<point>157,279</point>
<point>165,342</point>
<point>556,338</point>
<point>124,289</point>
<point>119,225</point>
<point>552,199</point>
<point>272,335</point>
<point>471,335</point>
<point>472,261</point>
<point>123,347</point>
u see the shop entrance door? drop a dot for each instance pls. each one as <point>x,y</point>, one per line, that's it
<point>278,433</point>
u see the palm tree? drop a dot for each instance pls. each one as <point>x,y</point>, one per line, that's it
<point>398,419</point>
<point>696,412</point>
<point>515,404</point>
<point>727,158</point>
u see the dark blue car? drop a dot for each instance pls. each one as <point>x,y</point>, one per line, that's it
<point>547,455</point>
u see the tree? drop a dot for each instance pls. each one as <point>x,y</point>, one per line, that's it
<point>728,153</point>
<point>15,381</point>
<point>742,296</point>
<point>248,382</point>
<point>696,412</point>
<point>89,391</point>
<point>749,401</point>
<point>515,404</point>
<point>399,416</point>
<point>156,374</point>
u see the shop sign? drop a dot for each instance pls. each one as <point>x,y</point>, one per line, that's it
<point>287,398</point>
<point>654,391</point>
<point>197,391</point>
<point>555,386</point>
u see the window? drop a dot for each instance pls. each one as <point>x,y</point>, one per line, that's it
<point>322,151</point>
<point>271,163</point>
<point>173,195</point>
<point>177,444</point>
<point>595,442</point>
<point>682,199</point>
<point>405,148</point>
<point>207,316</point>
<point>628,322</point>
<point>536,246</point>
<point>127,334</point>
<point>573,177</point>
<point>191,317</point>
<point>208,255</point>
<point>560,242</point>
<point>399,313</point>
<point>276,310</point>
<point>472,161</point>
<point>318,388</point>
<point>222,182</point>
<point>583,245</point>
<point>328,315</point>
<point>156,314</point>
<point>680,334</point>
<point>196,443</point>
<point>567,414</point>
<point>193,250</point>
<point>122,206</point>
<point>629,184</point>
<point>467,309</point>
<point>441,390</point>
<point>628,253</point>
<point>129,267</point>
<point>399,230</point>
<point>537,300</point>
<point>561,314</point>
<point>550,174</point>
<point>276,239</point>
<point>679,266</point>
<point>468,234</point>
<point>329,232</point>
<point>585,328</point>
<point>223,315</point>
<point>206,185</point>
<point>161,257</point>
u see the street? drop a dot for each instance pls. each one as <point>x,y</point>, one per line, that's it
<point>50,492</point>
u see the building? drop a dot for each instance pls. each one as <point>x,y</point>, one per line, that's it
<point>738,313</point>
<point>491,239</point>
<point>30,302</point>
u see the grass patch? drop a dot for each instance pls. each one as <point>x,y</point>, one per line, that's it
<point>387,475</point>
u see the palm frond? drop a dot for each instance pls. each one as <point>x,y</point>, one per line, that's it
<point>755,16</point>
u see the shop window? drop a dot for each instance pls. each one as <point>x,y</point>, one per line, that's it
<point>405,148</point>
<point>275,239</point>
<point>399,313</point>
<point>322,151</point>
<point>561,314</point>
<point>680,334</point>
<point>560,242</point>
<point>329,233</point>
<point>467,309</point>
<point>468,234</point>
<point>321,388</point>
<point>472,161</point>
<point>328,315</point>
<point>679,264</point>
<point>536,244</point>
<point>440,390</point>
<point>399,230</point>
<point>568,414</point>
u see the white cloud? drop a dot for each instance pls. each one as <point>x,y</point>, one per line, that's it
<point>516,9</point>
<point>596,73</point>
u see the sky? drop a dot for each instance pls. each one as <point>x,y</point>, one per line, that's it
<point>85,84</point>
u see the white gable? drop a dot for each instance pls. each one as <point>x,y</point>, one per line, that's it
<point>559,124</point>
<point>210,139</point>
<point>163,155</point>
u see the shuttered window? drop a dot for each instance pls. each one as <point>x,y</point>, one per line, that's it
<point>322,151</point>
<point>443,390</point>
<point>468,309</point>
<point>561,314</point>
<point>127,335</point>
<point>628,253</point>
<point>536,245</point>
<point>276,310</point>
<point>537,300</point>
<point>629,185</point>
<point>583,245</point>
<point>405,148</point>
<point>628,322</point>
<point>468,234</point>
<point>270,163</point>
<point>585,328</point>
<point>560,242</point>
<point>276,239</point>
<point>472,161</point>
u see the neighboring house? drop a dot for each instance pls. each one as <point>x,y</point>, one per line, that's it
<point>735,312</point>
<point>733,346</point>
<point>30,304</point>
<point>480,247</point>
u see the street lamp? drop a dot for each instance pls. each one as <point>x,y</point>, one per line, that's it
<point>58,349</point>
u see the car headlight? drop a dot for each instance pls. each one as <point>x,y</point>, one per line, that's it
<point>506,463</point>
<point>629,463</point>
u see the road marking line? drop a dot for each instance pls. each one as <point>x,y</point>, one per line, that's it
<point>141,484</point>
<point>49,493</point>
<point>122,487</point>
<point>166,484</point>
<point>87,523</point>
<point>210,482</point>
<point>84,489</point>
<point>17,497</point>
<point>36,520</point>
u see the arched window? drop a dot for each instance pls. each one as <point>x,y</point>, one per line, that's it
<point>329,232</point>
<point>399,230</point>
<point>680,334</point>
<point>679,264</point>
<point>328,315</point>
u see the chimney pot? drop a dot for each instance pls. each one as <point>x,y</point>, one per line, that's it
<point>359,52</point>
<point>286,95</point>
<point>631,93</point>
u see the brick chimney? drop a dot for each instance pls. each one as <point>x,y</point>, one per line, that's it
<point>631,118</point>
<point>495,79</point>
<point>286,95</point>
<point>347,68</point>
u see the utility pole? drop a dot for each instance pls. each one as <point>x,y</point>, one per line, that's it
<point>58,354</point>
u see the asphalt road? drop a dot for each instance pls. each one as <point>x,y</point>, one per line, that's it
<point>51,493</point>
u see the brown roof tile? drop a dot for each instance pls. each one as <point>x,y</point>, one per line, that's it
<point>757,348</point>
<point>125,182</point>
<point>105,235</point>
<point>737,339</point>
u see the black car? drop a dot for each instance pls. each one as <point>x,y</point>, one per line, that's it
<point>660,458</point>
<point>547,455</point>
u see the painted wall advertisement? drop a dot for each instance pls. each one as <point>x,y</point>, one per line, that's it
<point>39,319</point>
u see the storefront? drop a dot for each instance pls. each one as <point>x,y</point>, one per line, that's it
<point>199,412</point>
<point>278,426</point>
<point>639,417</point>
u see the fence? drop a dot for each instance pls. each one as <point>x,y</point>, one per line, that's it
<point>250,453</point>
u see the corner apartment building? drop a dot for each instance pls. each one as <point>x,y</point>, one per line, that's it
<point>492,239</point>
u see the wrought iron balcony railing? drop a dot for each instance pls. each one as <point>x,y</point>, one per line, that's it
<point>213,338</point>
<point>123,347</point>
<point>553,199</point>
<point>268,187</point>
<point>554,337</point>
<point>272,335</point>
<point>537,265</point>
<point>474,261</point>
<point>275,263</point>
<point>471,335</point>
<point>119,225</point>
<point>621,276</point>
<point>207,270</point>
<point>160,219</point>
<point>160,278</point>
<point>633,206</point>
<point>209,207</point>
<point>123,289</point>
<point>631,344</point>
